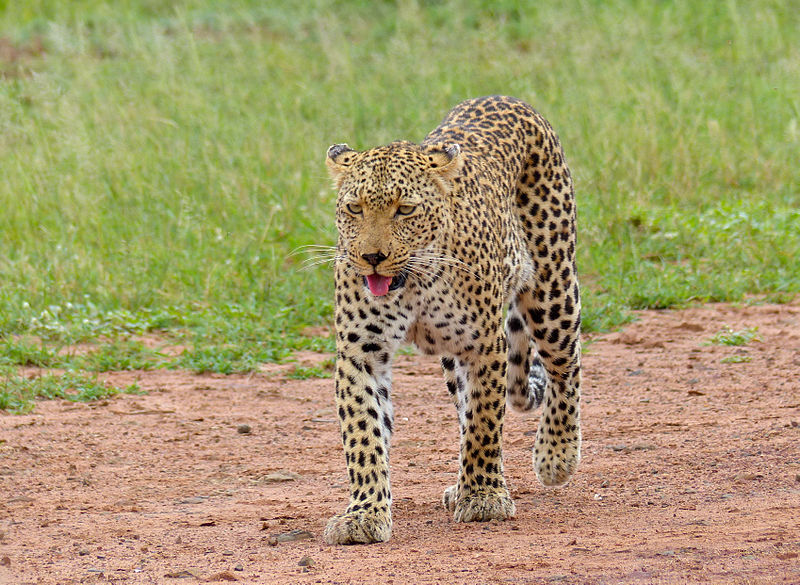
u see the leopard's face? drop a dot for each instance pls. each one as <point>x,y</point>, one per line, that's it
<point>392,207</point>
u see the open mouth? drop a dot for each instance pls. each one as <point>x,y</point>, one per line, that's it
<point>380,285</point>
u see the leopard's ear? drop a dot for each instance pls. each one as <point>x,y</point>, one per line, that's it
<point>444,160</point>
<point>340,157</point>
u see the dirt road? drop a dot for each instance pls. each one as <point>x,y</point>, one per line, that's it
<point>690,474</point>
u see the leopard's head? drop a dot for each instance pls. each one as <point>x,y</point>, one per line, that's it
<point>393,208</point>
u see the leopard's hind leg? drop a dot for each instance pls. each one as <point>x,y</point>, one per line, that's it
<point>547,307</point>
<point>527,376</point>
<point>480,494</point>
<point>556,329</point>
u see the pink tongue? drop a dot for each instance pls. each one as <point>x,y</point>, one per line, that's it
<point>379,285</point>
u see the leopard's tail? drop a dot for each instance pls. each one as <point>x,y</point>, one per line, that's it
<point>527,377</point>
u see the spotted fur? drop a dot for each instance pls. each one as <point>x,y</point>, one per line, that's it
<point>478,217</point>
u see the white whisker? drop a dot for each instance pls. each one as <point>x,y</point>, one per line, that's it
<point>312,248</point>
<point>310,266</point>
<point>328,256</point>
<point>425,269</point>
<point>311,263</point>
<point>432,257</point>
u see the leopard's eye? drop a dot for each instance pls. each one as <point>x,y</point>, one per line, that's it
<point>406,209</point>
<point>354,208</point>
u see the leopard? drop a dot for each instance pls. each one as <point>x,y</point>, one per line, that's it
<point>464,245</point>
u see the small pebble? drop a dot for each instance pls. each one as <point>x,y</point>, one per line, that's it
<point>306,561</point>
<point>292,535</point>
<point>243,429</point>
<point>223,576</point>
<point>184,574</point>
<point>740,477</point>
<point>238,567</point>
<point>280,476</point>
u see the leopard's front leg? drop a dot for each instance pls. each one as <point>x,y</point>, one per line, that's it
<point>481,493</point>
<point>368,331</point>
<point>365,416</point>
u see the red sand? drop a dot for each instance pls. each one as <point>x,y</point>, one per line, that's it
<point>690,474</point>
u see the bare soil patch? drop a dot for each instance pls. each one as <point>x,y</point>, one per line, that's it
<point>690,474</point>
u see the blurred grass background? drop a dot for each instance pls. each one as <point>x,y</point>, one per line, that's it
<point>160,161</point>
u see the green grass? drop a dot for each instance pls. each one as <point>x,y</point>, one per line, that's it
<point>161,160</point>
<point>28,353</point>
<point>120,355</point>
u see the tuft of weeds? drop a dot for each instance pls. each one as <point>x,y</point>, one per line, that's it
<point>18,394</point>
<point>322,370</point>
<point>736,359</point>
<point>735,338</point>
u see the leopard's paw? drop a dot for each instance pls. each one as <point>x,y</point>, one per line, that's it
<point>449,497</point>
<point>555,464</point>
<point>479,506</point>
<point>359,527</point>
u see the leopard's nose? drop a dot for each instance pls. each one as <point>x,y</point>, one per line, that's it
<point>374,259</point>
